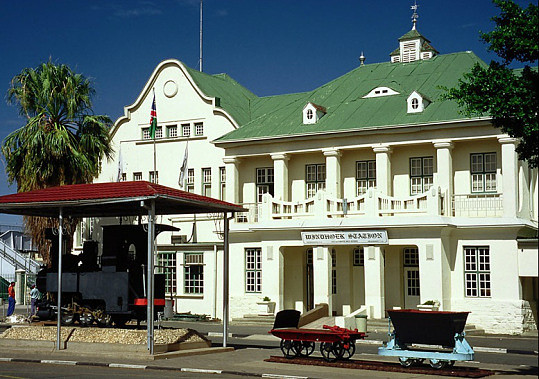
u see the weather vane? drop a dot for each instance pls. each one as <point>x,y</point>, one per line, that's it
<point>415,16</point>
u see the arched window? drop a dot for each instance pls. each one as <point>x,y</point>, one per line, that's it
<point>309,114</point>
<point>415,103</point>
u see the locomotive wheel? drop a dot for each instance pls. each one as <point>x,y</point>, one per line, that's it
<point>68,317</point>
<point>437,364</point>
<point>289,348</point>
<point>331,351</point>
<point>305,348</point>
<point>102,318</point>
<point>120,321</point>
<point>86,318</point>
<point>347,353</point>
<point>406,362</point>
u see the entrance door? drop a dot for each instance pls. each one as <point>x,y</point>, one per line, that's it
<point>411,278</point>
<point>309,277</point>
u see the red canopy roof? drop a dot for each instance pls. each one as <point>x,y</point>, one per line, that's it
<point>110,199</point>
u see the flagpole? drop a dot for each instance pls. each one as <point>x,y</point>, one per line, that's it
<point>154,154</point>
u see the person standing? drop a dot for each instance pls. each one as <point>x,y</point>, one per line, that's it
<point>11,299</point>
<point>35,296</point>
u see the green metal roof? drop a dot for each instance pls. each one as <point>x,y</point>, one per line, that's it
<point>413,34</point>
<point>233,97</point>
<point>281,115</point>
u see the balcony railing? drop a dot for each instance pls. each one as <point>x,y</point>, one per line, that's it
<point>373,203</point>
<point>478,205</point>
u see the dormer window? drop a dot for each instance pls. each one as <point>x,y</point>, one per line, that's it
<point>381,91</point>
<point>312,113</point>
<point>417,102</point>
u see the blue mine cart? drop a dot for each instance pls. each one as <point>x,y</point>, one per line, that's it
<point>436,336</point>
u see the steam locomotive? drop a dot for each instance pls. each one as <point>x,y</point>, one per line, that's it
<point>109,288</point>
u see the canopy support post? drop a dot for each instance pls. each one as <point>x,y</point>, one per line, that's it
<point>149,277</point>
<point>226,255</point>
<point>59,297</point>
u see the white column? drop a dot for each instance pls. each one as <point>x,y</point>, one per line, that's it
<point>444,168</point>
<point>322,276</point>
<point>333,172</point>
<point>280,175</point>
<point>435,272</point>
<point>232,179</point>
<point>509,176</point>
<point>374,282</point>
<point>383,169</point>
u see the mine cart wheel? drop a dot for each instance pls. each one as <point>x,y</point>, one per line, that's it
<point>437,364</point>
<point>289,348</point>
<point>305,348</point>
<point>418,361</point>
<point>450,363</point>
<point>406,362</point>
<point>347,353</point>
<point>68,317</point>
<point>86,318</point>
<point>331,351</point>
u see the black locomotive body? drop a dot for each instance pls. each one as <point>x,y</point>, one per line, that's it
<point>107,288</point>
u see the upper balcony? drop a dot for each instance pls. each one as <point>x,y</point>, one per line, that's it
<point>373,203</point>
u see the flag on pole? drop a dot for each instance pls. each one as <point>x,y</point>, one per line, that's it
<point>120,166</point>
<point>153,119</point>
<point>183,168</point>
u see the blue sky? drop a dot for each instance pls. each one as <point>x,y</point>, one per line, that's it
<point>270,47</point>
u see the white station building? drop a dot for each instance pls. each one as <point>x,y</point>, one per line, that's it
<point>370,190</point>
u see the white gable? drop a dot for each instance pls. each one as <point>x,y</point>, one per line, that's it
<point>312,113</point>
<point>416,103</point>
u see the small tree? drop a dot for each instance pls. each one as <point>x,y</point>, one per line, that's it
<point>510,97</point>
<point>62,142</point>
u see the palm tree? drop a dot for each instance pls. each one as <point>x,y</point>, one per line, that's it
<point>63,142</point>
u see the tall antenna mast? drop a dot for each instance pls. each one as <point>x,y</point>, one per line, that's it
<point>200,59</point>
<point>415,16</point>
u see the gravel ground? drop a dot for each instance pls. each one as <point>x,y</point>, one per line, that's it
<point>123,336</point>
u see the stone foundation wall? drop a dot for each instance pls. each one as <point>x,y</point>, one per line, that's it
<point>496,316</point>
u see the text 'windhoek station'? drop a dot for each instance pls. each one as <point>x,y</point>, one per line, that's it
<point>370,191</point>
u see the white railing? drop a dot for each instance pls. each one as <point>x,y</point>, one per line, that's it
<point>251,216</point>
<point>478,205</point>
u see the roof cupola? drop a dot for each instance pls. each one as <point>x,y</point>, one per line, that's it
<point>413,45</point>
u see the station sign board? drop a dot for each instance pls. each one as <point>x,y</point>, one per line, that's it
<point>345,237</point>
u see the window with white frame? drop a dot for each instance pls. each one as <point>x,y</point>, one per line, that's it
<point>137,176</point>
<point>421,174</point>
<point>264,182</point>
<point>411,260</point>
<point>154,176</point>
<point>411,257</point>
<point>483,170</point>
<point>365,176</point>
<point>222,183</point>
<point>253,270</point>
<point>477,271</point>
<point>186,130</point>
<point>359,256</point>
<point>193,273</point>
<point>199,129</point>
<point>124,177</point>
<point>159,132</point>
<point>315,177</point>
<point>190,181</point>
<point>146,133</point>
<point>206,182</point>
<point>166,264</point>
<point>333,272</point>
<point>172,131</point>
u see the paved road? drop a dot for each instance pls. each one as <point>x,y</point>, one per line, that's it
<point>15,370</point>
